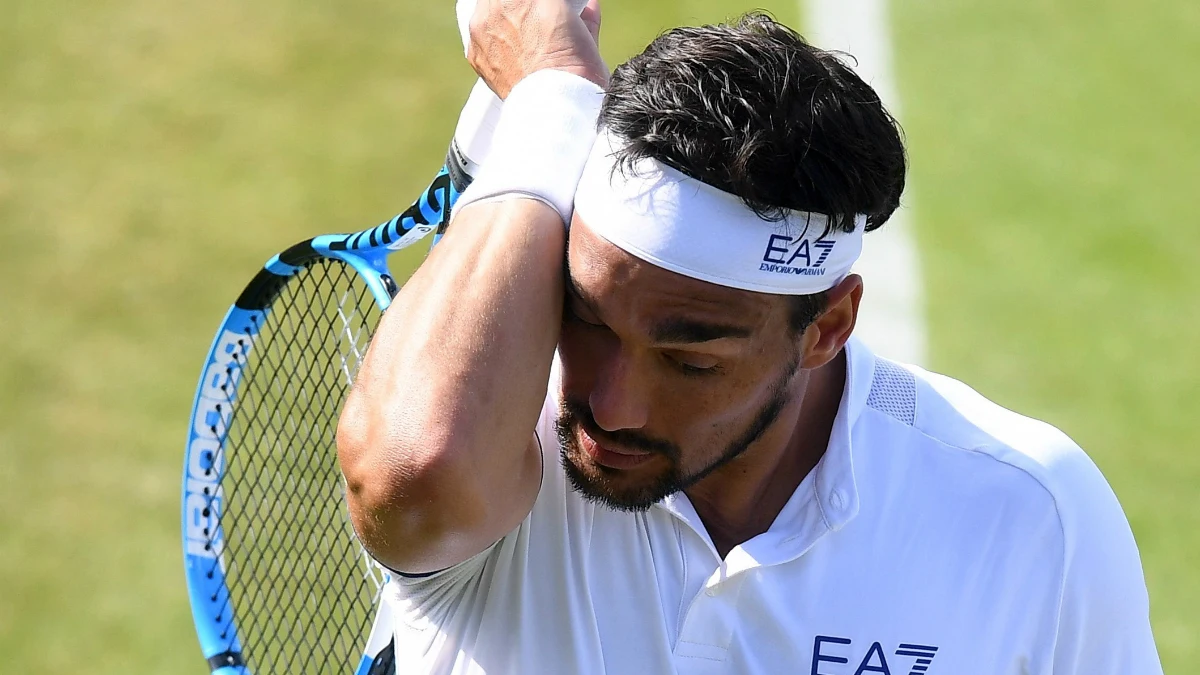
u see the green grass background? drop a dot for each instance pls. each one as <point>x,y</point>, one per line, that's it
<point>154,154</point>
<point>1057,163</point>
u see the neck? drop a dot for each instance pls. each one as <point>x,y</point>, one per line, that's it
<point>740,501</point>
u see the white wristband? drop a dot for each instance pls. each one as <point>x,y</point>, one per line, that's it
<point>477,127</point>
<point>543,141</point>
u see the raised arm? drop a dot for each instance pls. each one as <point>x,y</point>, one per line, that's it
<point>436,439</point>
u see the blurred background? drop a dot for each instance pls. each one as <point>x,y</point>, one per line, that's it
<point>154,153</point>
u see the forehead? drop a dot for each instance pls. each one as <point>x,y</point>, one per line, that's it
<point>612,277</point>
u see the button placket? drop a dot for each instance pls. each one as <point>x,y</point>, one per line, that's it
<point>711,619</point>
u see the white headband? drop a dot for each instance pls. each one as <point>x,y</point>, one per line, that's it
<point>668,219</point>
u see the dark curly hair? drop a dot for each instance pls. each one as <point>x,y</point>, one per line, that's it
<point>750,108</point>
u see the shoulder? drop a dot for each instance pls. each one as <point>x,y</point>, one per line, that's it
<point>954,435</point>
<point>1030,452</point>
<point>1102,580</point>
<point>1102,616</point>
<point>963,443</point>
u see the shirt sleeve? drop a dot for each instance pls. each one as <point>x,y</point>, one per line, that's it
<point>1104,615</point>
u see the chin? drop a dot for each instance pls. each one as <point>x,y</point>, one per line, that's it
<point>633,491</point>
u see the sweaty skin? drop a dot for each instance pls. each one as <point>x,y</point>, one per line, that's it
<point>683,369</point>
<point>435,439</point>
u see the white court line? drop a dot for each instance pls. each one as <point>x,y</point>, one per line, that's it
<point>891,319</point>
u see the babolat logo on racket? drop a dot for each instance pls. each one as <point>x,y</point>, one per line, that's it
<point>785,255</point>
<point>206,461</point>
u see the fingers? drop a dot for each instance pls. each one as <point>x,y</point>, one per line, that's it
<point>510,39</point>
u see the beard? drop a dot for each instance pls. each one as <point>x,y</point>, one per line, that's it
<point>623,490</point>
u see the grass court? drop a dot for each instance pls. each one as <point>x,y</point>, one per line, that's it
<point>154,154</point>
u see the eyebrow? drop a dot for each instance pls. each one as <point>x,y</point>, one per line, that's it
<point>688,331</point>
<point>676,331</point>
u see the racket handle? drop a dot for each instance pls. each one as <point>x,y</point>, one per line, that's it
<point>477,123</point>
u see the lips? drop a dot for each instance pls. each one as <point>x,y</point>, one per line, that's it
<point>610,457</point>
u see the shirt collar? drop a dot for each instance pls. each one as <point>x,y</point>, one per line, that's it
<point>825,500</point>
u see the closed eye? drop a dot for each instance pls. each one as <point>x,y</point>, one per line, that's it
<point>694,365</point>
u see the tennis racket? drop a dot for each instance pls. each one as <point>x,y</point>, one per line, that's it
<point>277,580</point>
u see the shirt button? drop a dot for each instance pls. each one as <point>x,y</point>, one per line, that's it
<point>838,499</point>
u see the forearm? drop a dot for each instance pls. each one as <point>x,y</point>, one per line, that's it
<point>436,439</point>
<point>442,412</point>
<point>462,357</point>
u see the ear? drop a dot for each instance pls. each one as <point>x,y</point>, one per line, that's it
<point>826,336</point>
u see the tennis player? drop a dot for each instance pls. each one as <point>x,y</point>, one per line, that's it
<point>617,422</point>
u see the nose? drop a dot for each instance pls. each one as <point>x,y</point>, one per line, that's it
<point>618,399</point>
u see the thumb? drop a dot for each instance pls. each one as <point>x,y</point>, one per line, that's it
<point>591,19</point>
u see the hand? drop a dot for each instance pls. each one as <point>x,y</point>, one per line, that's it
<point>511,39</point>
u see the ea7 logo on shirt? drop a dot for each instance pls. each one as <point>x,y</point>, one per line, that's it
<point>908,659</point>
<point>785,255</point>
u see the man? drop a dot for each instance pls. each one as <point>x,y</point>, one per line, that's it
<point>647,443</point>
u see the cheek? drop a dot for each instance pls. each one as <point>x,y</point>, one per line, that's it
<point>580,351</point>
<point>694,421</point>
<point>699,415</point>
<point>702,417</point>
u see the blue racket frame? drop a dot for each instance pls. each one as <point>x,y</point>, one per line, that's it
<point>203,539</point>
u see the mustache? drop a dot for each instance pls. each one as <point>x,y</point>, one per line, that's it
<point>576,413</point>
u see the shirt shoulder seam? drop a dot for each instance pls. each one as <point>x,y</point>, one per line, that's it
<point>1062,530</point>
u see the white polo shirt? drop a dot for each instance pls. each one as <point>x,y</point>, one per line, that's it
<point>940,534</point>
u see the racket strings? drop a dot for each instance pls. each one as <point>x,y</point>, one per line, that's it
<point>302,589</point>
